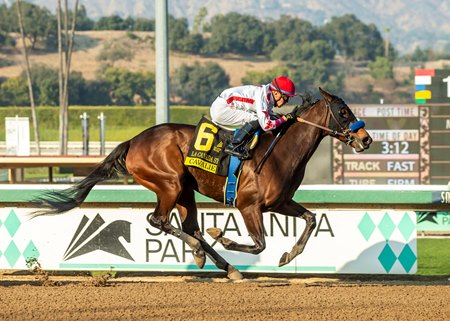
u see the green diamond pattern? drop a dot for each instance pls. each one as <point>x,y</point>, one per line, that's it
<point>12,254</point>
<point>366,226</point>
<point>406,226</point>
<point>386,226</point>
<point>407,258</point>
<point>31,251</point>
<point>387,258</point>
<point>12,223</point>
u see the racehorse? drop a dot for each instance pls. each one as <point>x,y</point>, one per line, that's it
<point>155,159</point>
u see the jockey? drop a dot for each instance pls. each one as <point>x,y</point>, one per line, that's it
<point>251,107</point>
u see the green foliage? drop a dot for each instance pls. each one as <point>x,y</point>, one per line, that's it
<point>294,29</point>
<point>199,20</point>
<point>83,22</point>
<point>116,49</point>
<point>381,69</point>
<point>130,88</point>
<point>192,43</point>
<point>38,22</point>
<point>316,50</point>
<point>14,92</point>
<point>419,55</point>
<point>113,22</point>
<point>6,40</point>
<point>144,24</point>
<point>354,39</point>
<point>199,84</point>
<point>45,85</point>
<point>236,33</point>
<point>263,77</point>
<point>178,31</point>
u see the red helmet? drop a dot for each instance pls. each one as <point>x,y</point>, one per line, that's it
<point>284,85</point>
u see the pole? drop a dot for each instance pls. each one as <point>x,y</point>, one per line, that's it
<point>102,120</point>
<point>85,129</point>
<point>162,62</point>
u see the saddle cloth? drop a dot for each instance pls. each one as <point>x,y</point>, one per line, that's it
<point>207,148</point>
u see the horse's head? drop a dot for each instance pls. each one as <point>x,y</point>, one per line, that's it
<point>343,123</point>
<point>340,122</point>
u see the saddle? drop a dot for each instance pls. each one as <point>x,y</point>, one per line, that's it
<point>207,148</point>
<point>207,152</point>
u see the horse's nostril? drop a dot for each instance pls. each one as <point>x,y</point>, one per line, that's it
<point>367,140</point>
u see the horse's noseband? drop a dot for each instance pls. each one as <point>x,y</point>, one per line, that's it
<point>344,130</point>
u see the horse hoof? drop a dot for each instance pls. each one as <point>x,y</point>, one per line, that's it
<point>214,232</point>
<point>200,259</point>
<point>284,259</point>
<point>234,274</point>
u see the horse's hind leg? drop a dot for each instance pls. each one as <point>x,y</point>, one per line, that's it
<point>167,197</point>
<point>188,212</point>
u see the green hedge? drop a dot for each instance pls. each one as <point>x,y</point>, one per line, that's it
<point>121,122</point>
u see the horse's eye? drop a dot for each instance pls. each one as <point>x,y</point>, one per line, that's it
<point>343,112</point>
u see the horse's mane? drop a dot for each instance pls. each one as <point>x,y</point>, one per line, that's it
<point>307,102</point>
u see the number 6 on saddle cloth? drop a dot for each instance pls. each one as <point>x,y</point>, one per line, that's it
<point>207,152</point>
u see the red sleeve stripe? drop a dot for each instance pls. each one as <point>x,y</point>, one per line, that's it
<point>279,121</point>
<point>243,99</point>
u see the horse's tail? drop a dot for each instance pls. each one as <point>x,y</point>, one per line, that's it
<point>56,202</point>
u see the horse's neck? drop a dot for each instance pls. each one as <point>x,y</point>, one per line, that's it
<point>308,136</point>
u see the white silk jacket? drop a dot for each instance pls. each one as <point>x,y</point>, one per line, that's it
<point>237,105</point>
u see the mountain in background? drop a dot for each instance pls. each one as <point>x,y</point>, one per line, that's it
<point>411,23</point>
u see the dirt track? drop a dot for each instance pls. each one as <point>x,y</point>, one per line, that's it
<point>201,298</point>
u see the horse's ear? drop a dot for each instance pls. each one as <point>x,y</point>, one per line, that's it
<point>325,94</point>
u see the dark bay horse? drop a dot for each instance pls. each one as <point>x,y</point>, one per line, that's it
<point>155,159</point>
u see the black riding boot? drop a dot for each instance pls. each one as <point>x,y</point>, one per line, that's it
<point>236,147</point>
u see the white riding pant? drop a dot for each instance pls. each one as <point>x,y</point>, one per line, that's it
<point>229,117</point>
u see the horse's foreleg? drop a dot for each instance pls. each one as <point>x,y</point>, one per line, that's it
<point>188,211</point>
<point>254,223</point>
<point>294,209</point>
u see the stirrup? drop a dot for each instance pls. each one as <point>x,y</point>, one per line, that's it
<point>237,151</point>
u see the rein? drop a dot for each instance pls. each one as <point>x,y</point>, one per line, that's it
<point>345,133</point>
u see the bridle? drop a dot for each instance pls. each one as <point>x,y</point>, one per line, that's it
<point>345,133</point>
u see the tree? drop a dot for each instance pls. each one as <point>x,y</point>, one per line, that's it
<point>144,24</point>
<point>199,20</point>
<point>263,77</point>
<point>113,22</point>
<point>317,50</point>
<point>419,55</point>
<point>236,33</point>
<point>38,22</point>
<point>192,43</point>
<point>199,84</point>
<point>381,69</point>
<point>116,49</point>
<point>130,88</point>
<point>6,40</point>
<point>178,31</point>
<point>83,22</point>
<point>14,92</point>
<point>354,39</point>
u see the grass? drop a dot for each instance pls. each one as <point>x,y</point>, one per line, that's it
<point>433,256</point>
